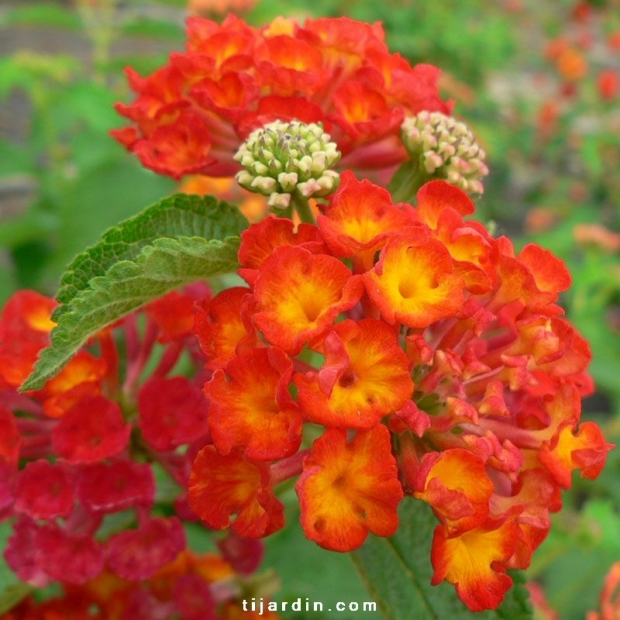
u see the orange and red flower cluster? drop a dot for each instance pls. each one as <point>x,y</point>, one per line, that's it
<point>387,350</point>
<point>191,587</point>
<point>191,115</point>
<point>393,350</point>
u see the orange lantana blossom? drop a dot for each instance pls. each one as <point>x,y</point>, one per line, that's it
<point>190,116</point>
<point>393,350</point>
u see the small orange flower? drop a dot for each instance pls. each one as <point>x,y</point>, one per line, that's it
<point>584,450</point>
<point>441,206</point>
<point>221,326</point>
<point>414,281</point>
<point>224,485</point>
<point>360,218</point>
<point>259,241</point>
<point>25,326</point>
<point>81,377</point>
<point>365,377</point>
<point>299,295</point>
<point>456,485</point>
<point>251,408</point>
<point>475,562</point>
<point>349,488</point>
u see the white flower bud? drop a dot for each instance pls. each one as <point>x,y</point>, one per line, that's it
<point>445,149</point>
<point>284,157</point>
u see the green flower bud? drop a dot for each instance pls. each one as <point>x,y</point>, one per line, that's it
<point>445,149</point>
<point>281,158</point>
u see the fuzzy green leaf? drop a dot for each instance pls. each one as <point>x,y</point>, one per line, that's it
<point>181,215</point>
<point>161,267</point>
<point>397,573</point>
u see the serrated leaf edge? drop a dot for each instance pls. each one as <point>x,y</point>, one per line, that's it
<point>72,317</point>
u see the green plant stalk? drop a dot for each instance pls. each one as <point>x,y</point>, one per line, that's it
<point>406,182</point>
<point>302,206</point>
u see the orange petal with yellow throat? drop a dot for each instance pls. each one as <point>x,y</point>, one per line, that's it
<point>299,295</point>
<point>251,407</point>
<point>360,217</point>
<point>221,327</point>
<point>259,241</point>
<point>82,376</point>
<point>585,450</point>
<point>365,377</point>
<point>221,486</point>
<point>475,562</point>
<point>414,282</point>
<point>435,197</point>
<point>455,483</point>
<point>349,488</point>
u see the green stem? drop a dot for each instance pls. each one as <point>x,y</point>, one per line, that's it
<point>407,181</point>
<point>286,213</point>
<point>302,206</point>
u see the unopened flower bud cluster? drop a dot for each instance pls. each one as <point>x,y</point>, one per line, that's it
<point>445,149</point>
<point>281,158</point>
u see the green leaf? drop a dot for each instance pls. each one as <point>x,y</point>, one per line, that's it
<point>161,267</point>
<point>397,572</point>
<point>181,215</point>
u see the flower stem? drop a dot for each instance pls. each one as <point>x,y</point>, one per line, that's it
<point>287,468</point>
<point>406,182</point>
<point>302,205</point>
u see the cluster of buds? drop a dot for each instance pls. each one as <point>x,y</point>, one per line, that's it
<point>390,351</point>
<point>446,149</point>
<point>283,158</point>
<point>190,116</point>
<point>82,460</point>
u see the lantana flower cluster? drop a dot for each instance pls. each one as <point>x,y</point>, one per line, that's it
<point>391,348</point>
<point>88,462</point>
<point>394,350</point>
<point>190,116</point>
<point>189,587</point>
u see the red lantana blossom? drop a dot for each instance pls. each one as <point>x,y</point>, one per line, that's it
<point>192,586</point>
<point>191,115</point>
<point>84,445</point>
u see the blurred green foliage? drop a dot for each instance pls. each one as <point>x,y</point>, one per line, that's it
<point>550,125</point>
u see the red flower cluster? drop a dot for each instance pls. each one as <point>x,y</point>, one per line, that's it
<point>79,459</point>
<point>191,587</point>
<point>191,115</point>
<point>392,350</point>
